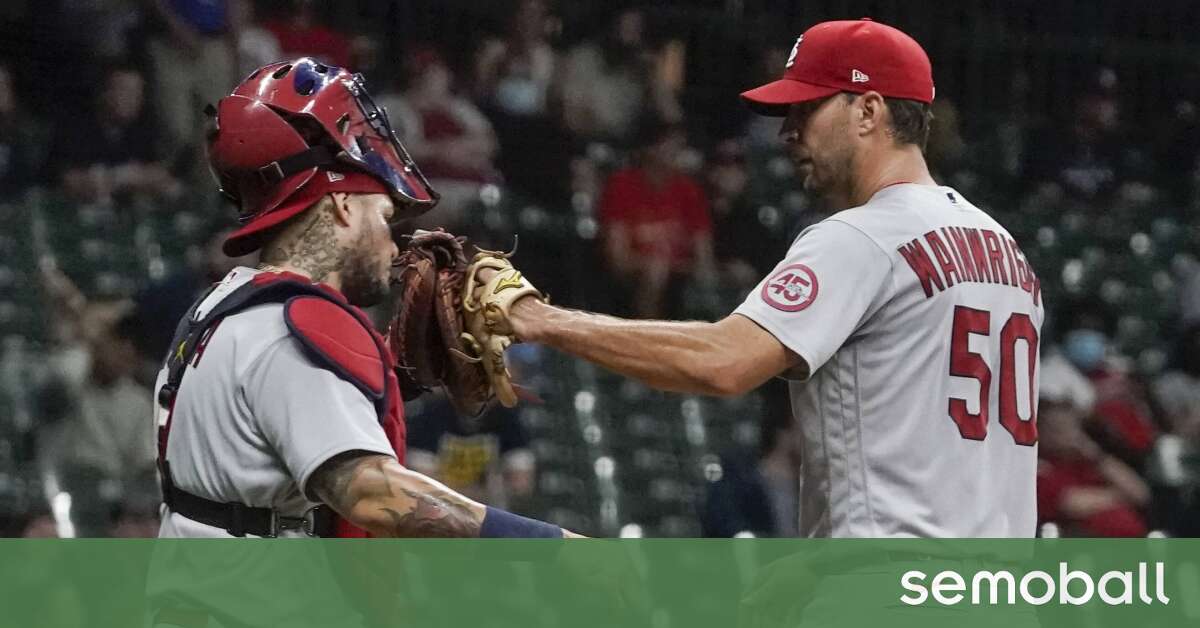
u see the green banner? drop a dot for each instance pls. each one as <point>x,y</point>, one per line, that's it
<point>657,583</point>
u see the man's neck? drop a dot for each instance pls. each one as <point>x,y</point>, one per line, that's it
<point>333,280</point>
<point>890,166</point>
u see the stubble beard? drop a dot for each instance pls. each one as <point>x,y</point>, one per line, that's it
<point>363,283</point>
<point>834,186</point>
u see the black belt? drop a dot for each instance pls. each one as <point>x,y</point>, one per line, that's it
<point>240,519</point>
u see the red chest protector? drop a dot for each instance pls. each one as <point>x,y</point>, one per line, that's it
<point>336,335</point>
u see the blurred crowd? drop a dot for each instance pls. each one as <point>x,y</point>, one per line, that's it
<point>640,192</point>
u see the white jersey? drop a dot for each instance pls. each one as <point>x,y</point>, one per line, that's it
<point>255,416</point>
<point>918,317</point>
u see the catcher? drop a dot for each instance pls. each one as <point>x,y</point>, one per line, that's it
<point>280,406</point>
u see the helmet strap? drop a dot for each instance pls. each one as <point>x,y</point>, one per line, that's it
<point>315,157</point>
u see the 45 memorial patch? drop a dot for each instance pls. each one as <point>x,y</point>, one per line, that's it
<point>791,289</point>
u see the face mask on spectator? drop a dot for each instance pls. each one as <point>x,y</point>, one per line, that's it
<point>518,96</point>
<point>1085,348</point>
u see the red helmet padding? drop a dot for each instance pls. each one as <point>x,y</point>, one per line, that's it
<point>340,340</point>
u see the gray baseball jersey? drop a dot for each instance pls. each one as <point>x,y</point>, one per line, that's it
<point>255,416</point>
<point>918,317</point>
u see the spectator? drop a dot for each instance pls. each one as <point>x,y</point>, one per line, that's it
<point>512,79</point>
<point>762,496</point>
<point>655,223</point>
<point>1062,381</point>
<point>1094,156</point>
<point>115,149</point>
<point>1084,490</point>
<point>26,514</point>
<point>110,26</point>
<point>194,61</point>
<point>102,443</point>
<point>946,148</point>
<point>19,140</point>
<point>1007,143</point>
<point>136,518</point>
<point>445,133</point>
<point>762,132</point>
<point>1177,391</point>
<point>365,56</point>
<point>1174,464</point>
<point>486,459</point>
<point>1121,418</point>
<point>160,305</point>
<point>1187,272</point>
<point>1180,150</point>
<point>301,33</point>
<point>513,73</point>
<point>39,525</point>
<point>607,84</point>
<point>256,46</point>
<point>750,241</point>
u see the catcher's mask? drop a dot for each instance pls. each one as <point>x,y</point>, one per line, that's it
<point>289,120</point>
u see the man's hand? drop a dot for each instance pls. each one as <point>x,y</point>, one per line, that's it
<point>522,312</point>
<point>490,288</point>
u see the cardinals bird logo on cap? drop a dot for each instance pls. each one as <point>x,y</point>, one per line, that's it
<point>792,57</point>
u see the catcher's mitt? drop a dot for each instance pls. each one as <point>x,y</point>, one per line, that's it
<point>433,336</point>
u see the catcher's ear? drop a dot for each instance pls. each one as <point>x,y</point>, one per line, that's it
<point>341,208</point>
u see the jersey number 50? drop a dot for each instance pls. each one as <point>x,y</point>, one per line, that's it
<point>966,363</point>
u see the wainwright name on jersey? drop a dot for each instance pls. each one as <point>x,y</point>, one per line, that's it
<point>919,319</point>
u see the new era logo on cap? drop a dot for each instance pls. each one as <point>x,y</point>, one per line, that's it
<point>858,77</point>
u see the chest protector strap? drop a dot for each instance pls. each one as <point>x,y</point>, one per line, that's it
<point>336,335</point>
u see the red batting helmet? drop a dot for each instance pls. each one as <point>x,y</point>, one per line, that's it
<point>289,120</point>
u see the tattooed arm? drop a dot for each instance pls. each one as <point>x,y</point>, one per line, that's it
<point>376,493</point>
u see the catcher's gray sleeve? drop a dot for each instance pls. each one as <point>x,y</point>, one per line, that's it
<point>308,413</point>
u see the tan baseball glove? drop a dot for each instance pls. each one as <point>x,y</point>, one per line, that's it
<point>492,285</point>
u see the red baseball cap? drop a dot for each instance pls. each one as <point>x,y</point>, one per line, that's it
<point>847,56</point>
